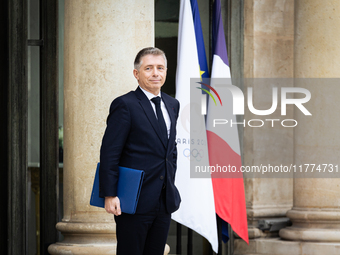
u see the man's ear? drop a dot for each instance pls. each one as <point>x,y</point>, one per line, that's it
<point>136,74</point>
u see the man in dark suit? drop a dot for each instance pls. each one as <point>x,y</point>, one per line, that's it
<point>140,134</point>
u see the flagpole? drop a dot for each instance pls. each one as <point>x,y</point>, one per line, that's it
<point>179,239</point>
<point>189,247</point>
<point>231,240</point>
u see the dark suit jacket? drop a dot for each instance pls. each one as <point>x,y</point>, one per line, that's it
<point>132,139</point>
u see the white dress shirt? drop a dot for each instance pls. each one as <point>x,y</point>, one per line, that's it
<point>163,108</point>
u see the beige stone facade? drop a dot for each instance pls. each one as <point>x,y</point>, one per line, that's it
<point>282,39</point>
<point>294,39</point>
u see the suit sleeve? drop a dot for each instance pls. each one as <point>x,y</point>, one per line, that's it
<point>116,133</point>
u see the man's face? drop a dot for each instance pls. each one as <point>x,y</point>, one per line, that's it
<point>152,73</point>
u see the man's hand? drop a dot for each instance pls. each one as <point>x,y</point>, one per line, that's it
<point>112,205</point>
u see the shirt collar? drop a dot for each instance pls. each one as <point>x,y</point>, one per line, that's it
<point>150,95</point>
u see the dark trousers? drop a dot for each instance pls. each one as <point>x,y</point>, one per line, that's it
<point>143,234</point>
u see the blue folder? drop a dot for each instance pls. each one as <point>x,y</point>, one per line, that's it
<point>129,185</point>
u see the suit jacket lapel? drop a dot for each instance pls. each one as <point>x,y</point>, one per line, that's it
<point>171,113</point>
<point>146,105</point>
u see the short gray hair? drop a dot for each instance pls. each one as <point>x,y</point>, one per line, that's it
<point>148,51</point>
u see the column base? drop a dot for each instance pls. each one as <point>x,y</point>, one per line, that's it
<point>313,226</point>
<point>277,246</point>
<point>85,238</point>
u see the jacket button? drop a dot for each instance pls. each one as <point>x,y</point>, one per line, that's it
<point>162,177</point>
<point>166,159</point>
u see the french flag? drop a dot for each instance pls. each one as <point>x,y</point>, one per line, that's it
<point>223,141</point>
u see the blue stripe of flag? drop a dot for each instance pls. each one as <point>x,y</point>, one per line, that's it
<point>199,39</point>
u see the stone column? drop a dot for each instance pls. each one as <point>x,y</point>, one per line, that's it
<point>101,41</point>
<point>316,211</point>
<point>268,53</point>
